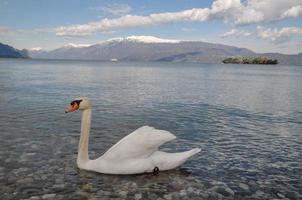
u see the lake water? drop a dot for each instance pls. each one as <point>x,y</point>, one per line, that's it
<point>247,119</point>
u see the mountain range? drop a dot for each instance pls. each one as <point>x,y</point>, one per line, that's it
<point>149,48</point>
<point>144,48</point>
<point>7,51</point>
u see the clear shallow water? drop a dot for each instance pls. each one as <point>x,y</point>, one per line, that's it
<point>247,119</point>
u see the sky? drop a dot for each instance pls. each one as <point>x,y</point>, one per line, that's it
<point>260,25</point>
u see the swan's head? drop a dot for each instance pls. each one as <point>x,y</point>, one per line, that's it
<point>79,103</point>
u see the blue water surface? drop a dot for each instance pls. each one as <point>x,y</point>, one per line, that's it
<point>247,120</point>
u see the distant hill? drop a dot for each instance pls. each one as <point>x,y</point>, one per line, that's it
<point>295,59</point>
<point>7,51</point>
<point>148,48</point>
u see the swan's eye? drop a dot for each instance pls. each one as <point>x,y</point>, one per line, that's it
<point>76,101</point>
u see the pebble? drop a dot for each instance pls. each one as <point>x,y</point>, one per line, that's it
<point>230,191</point>
<point>104,193</point>
<point>280,195</point>
<point>58,187</point>
<point>48,196</point>
<point>60,197</point>
<point>86,187</point>
<point>190,190</point>
<point>34,198</point>
<point>123,193</point>
<point>168,196</point>
<point>224,190</point>
<point>77,196</point>
<point>216,196</point>
<point>259,193</point>
<point>152,196</point>
<point>137,196</point>
<point>217,183</point>
<point>11,180</point>
<point>182,193</point>
<point>25,180</point>
<point>60,180</point>
<point>243,186</point>
<point>29,189</point>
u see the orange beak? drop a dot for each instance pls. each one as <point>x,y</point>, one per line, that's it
<point>72,108</point>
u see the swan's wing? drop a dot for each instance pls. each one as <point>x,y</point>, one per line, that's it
<point>139,144</point>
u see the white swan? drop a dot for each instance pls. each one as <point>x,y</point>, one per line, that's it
<point>134,154</point>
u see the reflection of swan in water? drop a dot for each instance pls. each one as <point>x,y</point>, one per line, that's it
<point>136,153</point>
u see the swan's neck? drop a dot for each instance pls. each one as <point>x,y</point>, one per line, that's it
<point>84,138</point>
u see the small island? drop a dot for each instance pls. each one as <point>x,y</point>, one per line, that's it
<point>261,60</point>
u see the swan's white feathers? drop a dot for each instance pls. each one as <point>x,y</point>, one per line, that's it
<point>166,161</point>
<point>135,153</point>
<point>141,143</point>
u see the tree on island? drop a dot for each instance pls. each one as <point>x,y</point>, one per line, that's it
<point>256,60</point>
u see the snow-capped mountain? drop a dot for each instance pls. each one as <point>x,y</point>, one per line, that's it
<point>149,48</point>
<point>72,45</point>
<point>143,39</point>
<point>36,49</point>
<point>143,48</point>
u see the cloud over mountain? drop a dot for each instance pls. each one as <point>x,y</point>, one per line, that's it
<point>230,11</point>
<point>236,33</point>
<point>278,35</point>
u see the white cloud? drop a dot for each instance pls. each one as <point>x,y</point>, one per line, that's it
<point>278,35</point>
<point>221,6</point>
<point>231,11</point>
<point>247,16</point>
<point>116,9</point>
<point>294,11</point>
<point>254,11</point>
<point>132,21</point>
<point>236,33</point>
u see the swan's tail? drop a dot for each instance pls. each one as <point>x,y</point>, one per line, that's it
<point>166,161</point>
<point>194,151</point>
